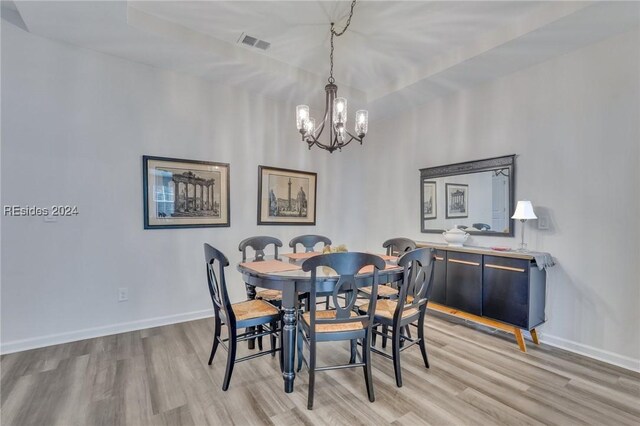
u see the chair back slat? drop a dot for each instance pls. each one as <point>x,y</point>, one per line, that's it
<point>308,242</point>
<point>345,287</point>
<point>417,279</point>
<point>259,244</point>
<point>215,259</point>
<point>398,246</point>
<point>347,265</point>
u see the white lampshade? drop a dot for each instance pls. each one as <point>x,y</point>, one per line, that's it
<point>524,211</point>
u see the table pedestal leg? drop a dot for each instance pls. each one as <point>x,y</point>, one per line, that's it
<point>251,294</point>
<point>289,302</point>
<point>289,340</point>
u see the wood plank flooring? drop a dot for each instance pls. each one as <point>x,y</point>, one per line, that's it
<point>160,376</point>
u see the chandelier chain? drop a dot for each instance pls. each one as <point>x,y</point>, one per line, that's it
<point>338,34</point>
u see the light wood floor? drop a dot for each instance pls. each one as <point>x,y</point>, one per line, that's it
<point>160,376</point>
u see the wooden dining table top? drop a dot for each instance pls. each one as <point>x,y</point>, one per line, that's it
<point>290,268</point>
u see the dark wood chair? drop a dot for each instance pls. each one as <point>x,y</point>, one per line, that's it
<point>250,313</point>
<point>259,245</point>
<point>308,242</point>
<point>395,247</point>
<point>398,246</point>
<point>408,309</point>
<point>344,322</point>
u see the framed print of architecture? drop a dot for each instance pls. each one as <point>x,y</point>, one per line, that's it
<point>457,200</point>
<point>185,193</point>
<point>429,200</point>
<point>286,197</point>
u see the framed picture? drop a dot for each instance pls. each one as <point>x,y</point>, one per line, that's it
<point>457,200</point>
<point>429,207</point>
<point>185,193</point>
<point>286,197</point>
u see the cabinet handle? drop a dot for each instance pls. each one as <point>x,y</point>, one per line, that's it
<point>439,258</point>
<point>464,262</point>
<point>505,268</point>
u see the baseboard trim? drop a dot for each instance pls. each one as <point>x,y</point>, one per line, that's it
<point>89,333</point>
<point>591,352</point>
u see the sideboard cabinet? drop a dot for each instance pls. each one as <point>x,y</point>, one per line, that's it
<point>504,290</point>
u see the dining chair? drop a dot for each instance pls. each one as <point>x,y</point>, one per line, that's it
<point>250,313</point>
<point>398,246</point>
<point>308,242</point>
<point>408,309</point>
<point>259,245</point>
<point>343,322</point>
<point>394,246</point>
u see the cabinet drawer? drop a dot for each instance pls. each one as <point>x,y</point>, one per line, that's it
<point>505,294</point>
<point>438,287</point>
<point>464,282</point>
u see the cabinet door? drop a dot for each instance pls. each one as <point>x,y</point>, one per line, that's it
<point>438,289</point>
<point>506,290</point>
<point>464,282</point>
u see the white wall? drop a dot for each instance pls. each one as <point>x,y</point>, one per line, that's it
<point>75,124</point>
<point>574,123</point>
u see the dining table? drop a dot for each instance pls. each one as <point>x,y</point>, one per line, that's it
<point>285,274</point>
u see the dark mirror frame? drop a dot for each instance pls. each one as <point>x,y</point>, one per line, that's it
<point>505,162</point>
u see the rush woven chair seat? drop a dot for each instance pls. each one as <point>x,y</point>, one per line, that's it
<point>386,309</point>
<point>330,328</point>
<point>408,309</point>
<point>343,323</point>
<point>250,309</point>
<point>250,313</point>
<point>270,295</point>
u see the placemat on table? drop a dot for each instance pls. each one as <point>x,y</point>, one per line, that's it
<point>267,266</point>
<point>387,257</point>
<point>369,268</point>
<point>298,256</point>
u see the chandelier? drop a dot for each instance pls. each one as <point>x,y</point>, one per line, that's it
<point>335,112</point>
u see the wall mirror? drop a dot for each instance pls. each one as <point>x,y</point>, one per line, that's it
<point>476,196</point>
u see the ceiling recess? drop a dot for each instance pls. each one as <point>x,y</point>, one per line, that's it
<point>251,41</point>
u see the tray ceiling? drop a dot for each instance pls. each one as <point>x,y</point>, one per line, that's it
<point>395,53</point>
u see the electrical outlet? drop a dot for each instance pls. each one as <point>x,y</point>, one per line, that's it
<point>123,294</point>
<point>543,222</point>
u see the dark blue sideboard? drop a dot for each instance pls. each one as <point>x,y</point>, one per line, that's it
<point>503,290</point>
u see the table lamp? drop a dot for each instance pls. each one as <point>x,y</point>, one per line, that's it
<point>524,211</point>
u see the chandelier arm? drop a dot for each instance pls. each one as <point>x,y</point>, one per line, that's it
<point>348,142</point>
<point>359,139</point>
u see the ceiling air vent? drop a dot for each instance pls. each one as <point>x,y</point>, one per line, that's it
<point>253,42</point>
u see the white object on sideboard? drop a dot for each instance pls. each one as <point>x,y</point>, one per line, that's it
<point>455,237</point>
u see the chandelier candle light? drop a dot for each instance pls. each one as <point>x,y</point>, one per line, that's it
<point>335,113</point>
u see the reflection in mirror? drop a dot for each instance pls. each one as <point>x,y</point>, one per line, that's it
<point>475,196</point>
